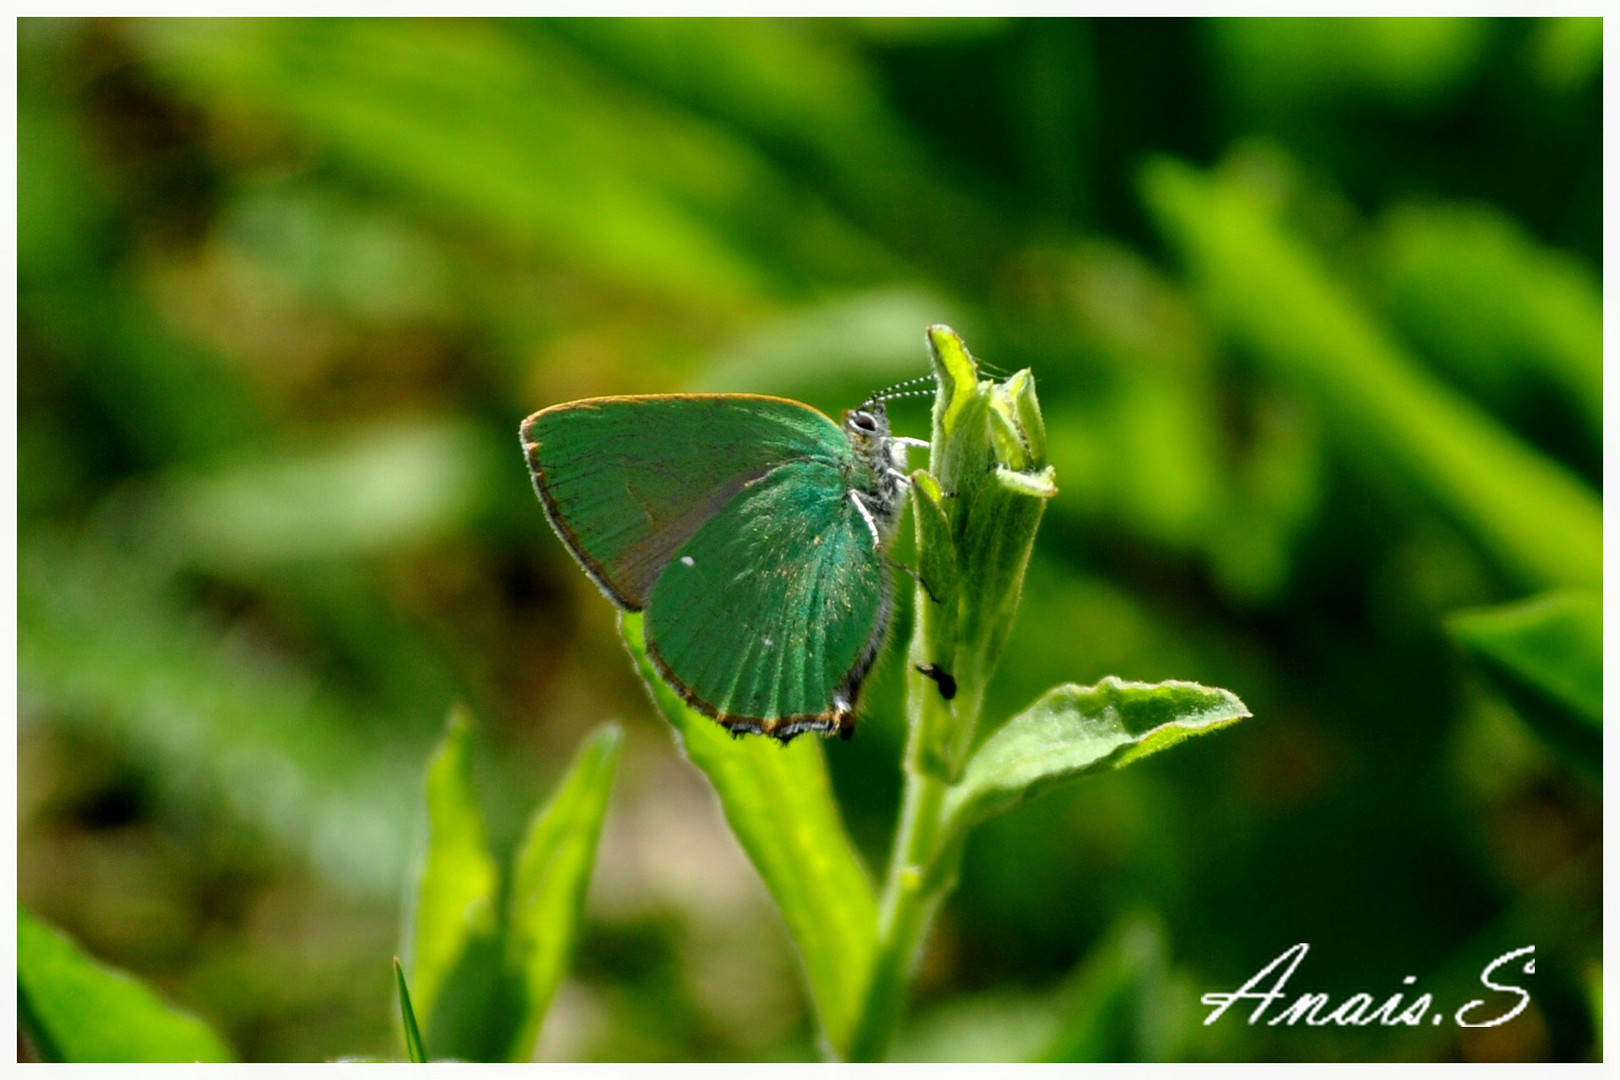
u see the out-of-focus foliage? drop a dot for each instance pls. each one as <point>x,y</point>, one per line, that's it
<point>1541,522</point>
<point>1314,312</point>
<point>1122,1003</point>
<point>1547,653</point>
<point>71,1008</point>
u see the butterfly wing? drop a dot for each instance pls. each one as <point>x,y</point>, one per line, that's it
<point>770,616</point>
<point>626,481</point>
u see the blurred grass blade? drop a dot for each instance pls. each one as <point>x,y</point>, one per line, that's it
<point>376,488</point>
<point>1282,305</point>
<point>453,956</point>
<point>74,1008</point>
<point>813,102</point>
<point>407,1016</point>
<point>1546,653</point>
<point>1074,730</point>
<point>549,880</point>
<point>517,133</point>
<point>1117,1006</point>
<point>1480,296</point>
<point>778,801</point>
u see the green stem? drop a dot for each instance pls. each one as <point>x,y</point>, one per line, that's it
<point>916,884</point>
<point>908,907</point>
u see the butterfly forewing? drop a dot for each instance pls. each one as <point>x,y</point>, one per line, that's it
<point>627,481</point>
<point>770,615</point>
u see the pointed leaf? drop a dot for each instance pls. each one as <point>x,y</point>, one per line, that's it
<point>549,879</point>
<point>778,801</point>
<point>75,1008</point>
<point>453,926</point>
<point>1547,655</point>
<point>1074,730</point>
<point>407,1016</point>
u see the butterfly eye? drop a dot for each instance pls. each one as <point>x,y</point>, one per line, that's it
<point>863,421</point>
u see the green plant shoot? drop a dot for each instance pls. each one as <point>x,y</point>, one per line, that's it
<point>976,510</point>
<point>485,961</point>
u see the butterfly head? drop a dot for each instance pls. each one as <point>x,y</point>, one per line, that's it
<point>867,427</point>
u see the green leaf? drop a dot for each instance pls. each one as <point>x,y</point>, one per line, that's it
<point>1118,1005</point>
<point>485,975</point>
<point>549,879</point>
<point>1277,300</point>
<point>1074,730</point>
<point>1546,653</point>
<point>936,556</point>
<point>958,377</point>
<point>778,801</point>
<point>75,1008</point>
<point>407,1016</point>
<point>453,954</point>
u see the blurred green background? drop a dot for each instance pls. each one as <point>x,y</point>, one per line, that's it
<point>1315,314</point>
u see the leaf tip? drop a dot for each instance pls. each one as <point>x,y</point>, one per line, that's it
<point>458,722</point>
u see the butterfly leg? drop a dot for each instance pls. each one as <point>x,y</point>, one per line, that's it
<point>855,497</point>
<point>903,440</point>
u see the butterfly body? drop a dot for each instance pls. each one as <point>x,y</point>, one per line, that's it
<point>750,532</point>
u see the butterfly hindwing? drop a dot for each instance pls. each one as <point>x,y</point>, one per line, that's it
<point>771,614</point>
<point>627,481</point>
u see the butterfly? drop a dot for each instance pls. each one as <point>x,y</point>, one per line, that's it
<point>751,532</point>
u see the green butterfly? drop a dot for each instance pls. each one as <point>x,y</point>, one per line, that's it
<point>751,532</point>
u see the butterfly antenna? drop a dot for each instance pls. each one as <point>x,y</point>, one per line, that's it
<point>892,392</point>
<point>993,369</point>
<point>906,394</point>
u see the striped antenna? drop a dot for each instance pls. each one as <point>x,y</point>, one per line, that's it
<point>902,385</point>
<point>893,392</point>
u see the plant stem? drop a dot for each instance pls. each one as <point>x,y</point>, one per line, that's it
<point>917,882</point>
